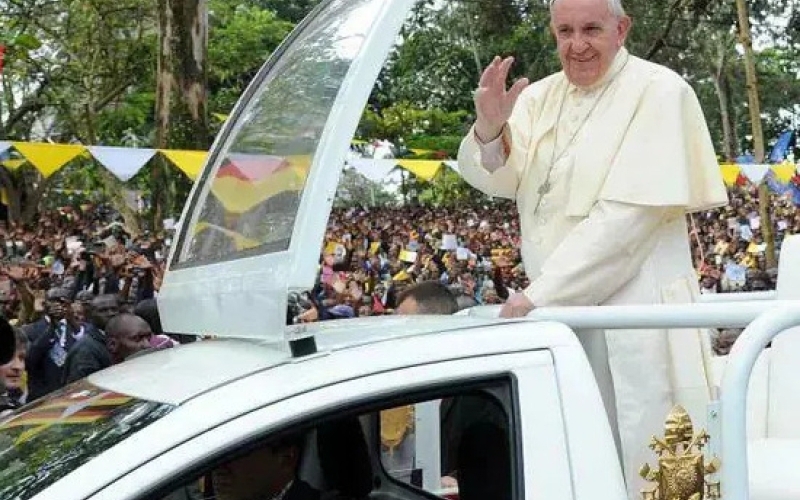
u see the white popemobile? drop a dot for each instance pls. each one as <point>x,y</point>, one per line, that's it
<point>390,407</point>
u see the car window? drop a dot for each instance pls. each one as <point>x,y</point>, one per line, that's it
<point>437,445</point>
<point>380,451</point>
<point>44,441</point>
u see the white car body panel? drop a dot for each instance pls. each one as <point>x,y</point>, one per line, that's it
<point>325,381</point>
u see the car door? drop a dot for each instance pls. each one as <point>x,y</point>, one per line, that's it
<point>539,463</point>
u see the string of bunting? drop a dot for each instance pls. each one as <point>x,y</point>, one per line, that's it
<point>125,163</point>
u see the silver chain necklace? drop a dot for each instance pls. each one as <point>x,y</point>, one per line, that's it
<point>546,186</point>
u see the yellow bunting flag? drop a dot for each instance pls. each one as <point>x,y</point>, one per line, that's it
<point>730,173</point>
<point>13,164</point>
<point>48,158</point>
<point>784,172</point>
<point>189,162</point>
<point>424,169</point>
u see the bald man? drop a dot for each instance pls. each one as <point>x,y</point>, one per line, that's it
<point>604,159</point>
<point>124,336</point>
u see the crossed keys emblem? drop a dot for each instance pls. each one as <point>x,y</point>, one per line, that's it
<point>682,469</point>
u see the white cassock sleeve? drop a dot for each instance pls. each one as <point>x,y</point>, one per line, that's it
<point>599,256</point>
<point>492,155</point>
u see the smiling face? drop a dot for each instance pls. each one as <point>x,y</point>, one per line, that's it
<point>588,36</point>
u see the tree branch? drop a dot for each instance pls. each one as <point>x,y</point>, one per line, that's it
<point>661,41</point>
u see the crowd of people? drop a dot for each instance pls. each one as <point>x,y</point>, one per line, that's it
<point>64,280</point>
<point>80,290</point>
<point>371,255</point>
<point>729,245</point>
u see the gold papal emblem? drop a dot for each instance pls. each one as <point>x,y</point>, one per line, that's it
<point>682,469</point>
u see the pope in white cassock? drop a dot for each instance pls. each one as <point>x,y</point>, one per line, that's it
<point>604,159</point>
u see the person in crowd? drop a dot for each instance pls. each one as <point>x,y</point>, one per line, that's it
<point>102,308</point>
<point>148,310</point>
<point>429,297</point>
<point>12,375</point>
<point>604,159</point>
<point>51,339</point>
<point>124,336</point>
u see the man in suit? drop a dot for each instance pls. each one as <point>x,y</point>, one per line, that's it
<point>51,338</point>
<point>268,472</point>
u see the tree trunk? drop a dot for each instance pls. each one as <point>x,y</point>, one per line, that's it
<point>758,133</point>
<point>31,208</point>
<point>721,88</point>
<point>181,90</point>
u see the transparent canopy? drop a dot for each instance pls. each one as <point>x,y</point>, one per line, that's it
<point>253,227</point>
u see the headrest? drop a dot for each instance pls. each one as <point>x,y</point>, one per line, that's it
<point>344,457</point>
<point>484,463</point>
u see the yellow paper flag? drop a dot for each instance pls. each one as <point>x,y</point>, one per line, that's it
<point>784,172</point>
<point>48,158</point>
<point>424,169</point>
<point>189,162</point>
<point>13,164</point>
<point>330,248</point>
<point>401,276</point>
<point>730,173</point>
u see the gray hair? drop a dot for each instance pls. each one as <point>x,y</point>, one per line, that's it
<point>614,6</point>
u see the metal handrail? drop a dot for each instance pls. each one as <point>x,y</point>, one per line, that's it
<point>733,399</point>
<point>694,315</point>
<point>737,296</point>
<point>710,314</point>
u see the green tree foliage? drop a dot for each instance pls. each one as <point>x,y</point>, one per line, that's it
<point>242,36</point>
<point>356,190</point>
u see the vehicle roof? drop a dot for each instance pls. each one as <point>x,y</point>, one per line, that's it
<point>178,374</point>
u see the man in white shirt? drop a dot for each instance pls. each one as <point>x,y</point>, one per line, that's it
<point>604,159</point>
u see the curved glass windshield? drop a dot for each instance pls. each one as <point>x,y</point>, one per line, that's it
<point>250,196</point>
<point>49,439</point>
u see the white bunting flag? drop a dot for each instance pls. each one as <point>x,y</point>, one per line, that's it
<point>755,173</point>
<point>372,169</point>
<point>124,163</point>
<point>453,164</point>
